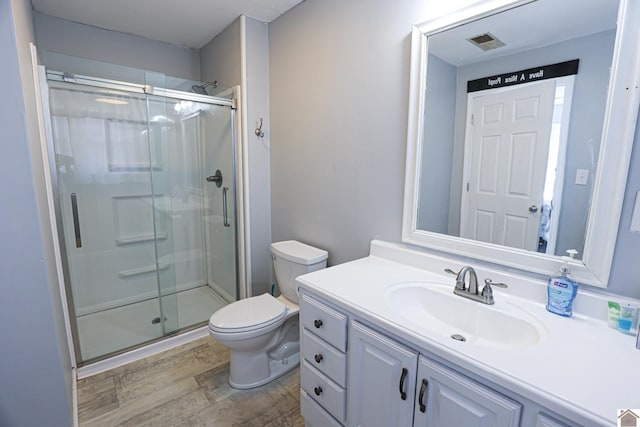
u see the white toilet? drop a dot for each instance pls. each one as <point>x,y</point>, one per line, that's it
<point>262,331</point>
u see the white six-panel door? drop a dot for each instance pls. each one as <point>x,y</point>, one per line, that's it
<point>506,152</point>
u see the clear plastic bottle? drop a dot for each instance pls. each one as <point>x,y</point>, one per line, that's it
<point>561,290</point>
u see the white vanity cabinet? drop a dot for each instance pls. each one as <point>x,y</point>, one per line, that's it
<point>323,368</point>
<point>392,385</point>
<point>358,373</point>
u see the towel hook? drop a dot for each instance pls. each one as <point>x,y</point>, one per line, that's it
<point>259,133</point>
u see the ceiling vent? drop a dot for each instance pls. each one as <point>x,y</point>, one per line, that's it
<point>486,41</point>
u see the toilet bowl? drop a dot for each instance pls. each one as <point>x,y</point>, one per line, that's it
<point>262,331</point>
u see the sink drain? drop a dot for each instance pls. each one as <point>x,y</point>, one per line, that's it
<point>458,337</point>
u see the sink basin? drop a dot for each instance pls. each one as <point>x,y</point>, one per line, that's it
<point>434,308</point>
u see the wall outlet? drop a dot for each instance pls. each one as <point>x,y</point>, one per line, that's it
<point>582,176</point>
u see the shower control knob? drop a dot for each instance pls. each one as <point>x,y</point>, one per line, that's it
<point>318,391</point>
<point>217,178</point>
<point>317,323</point>
<point>318,358</point>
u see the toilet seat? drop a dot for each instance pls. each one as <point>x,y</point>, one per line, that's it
<point>248,314</point>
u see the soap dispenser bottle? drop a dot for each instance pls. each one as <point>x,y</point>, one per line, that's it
<point>561,290</point>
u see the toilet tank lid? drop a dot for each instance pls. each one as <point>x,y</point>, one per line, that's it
<point>297,252</point>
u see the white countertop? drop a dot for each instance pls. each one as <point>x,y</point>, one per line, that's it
<point>580,368</point>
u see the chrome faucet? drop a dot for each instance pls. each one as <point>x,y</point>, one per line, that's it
<point>471,291</point>
<point>460,282</point>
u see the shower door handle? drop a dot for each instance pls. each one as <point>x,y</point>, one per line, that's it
<point>76,219</point>
<point>225,215</point>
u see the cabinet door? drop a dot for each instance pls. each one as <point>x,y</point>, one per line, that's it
<point>381,383</point>
<point>446,398</point>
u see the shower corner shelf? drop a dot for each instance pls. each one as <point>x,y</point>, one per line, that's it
<point>142,270</point>
<point>141,238</point>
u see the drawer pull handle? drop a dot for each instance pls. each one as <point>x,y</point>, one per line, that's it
<point>403,377</point>
<point>318,391</point>
<point>318,358</point>
<point>423,391</point>
<point>317,323</point>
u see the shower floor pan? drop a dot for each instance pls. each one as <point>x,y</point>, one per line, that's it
<point>119,328</point>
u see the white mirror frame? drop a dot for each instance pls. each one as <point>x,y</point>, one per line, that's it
<point>613,161</point>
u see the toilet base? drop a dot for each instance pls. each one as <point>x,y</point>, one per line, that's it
<point>277,368</point>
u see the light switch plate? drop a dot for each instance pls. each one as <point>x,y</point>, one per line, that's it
<point>582,176</point>
<point>635,216</point>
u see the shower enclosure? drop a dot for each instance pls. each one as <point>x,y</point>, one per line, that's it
<point>144,180</point>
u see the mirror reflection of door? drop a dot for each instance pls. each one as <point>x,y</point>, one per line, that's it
<point>506,153</point>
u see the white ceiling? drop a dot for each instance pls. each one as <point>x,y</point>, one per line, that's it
<point>190,23</point>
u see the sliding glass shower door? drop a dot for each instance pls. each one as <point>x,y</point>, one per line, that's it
<point>149,242</point>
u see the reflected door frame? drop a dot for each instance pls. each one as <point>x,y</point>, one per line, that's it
<point>567,82</point>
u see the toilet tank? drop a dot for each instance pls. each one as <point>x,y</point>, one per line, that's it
<point>292,259</point>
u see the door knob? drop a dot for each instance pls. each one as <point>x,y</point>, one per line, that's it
<point>533,209</point>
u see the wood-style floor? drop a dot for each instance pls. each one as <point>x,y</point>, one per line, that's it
<point>186,386</point>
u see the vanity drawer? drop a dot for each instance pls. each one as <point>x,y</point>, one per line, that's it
<point>328,394</point>
<point>314,415</point>
<point>327,359</point>
<point>324,321</point>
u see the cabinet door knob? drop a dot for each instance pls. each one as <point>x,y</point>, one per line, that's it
<point>317,323</point>
<point>318,391</point>
<point>423,391</point>
<point>403,377</point>
<point>318,358</point>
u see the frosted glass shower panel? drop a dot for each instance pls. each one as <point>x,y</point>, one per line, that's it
<point>107,212</point>
<point>220,218</point>
<point>161,135</point>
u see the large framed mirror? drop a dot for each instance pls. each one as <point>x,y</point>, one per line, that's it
<point>522,116</point>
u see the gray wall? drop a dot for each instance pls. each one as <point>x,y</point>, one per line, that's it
<point>70,38</point>
<point>339,82</point>
<point>222,60</point>
<point>259,151</point>
<point>339,94</point>
<point>585,128</point>
<point>35,369</point>
<point>625,272</point>
<point>437,153</point>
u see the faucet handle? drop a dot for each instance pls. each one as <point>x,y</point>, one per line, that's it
<point>450,271</point>
<point>487,292</point>
<point>459,280</point>
<point>489,282</point>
